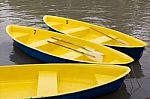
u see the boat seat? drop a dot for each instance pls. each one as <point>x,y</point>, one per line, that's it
<point>47,83</point>
<point>101,39</point>
<point>41,42</point>
<point>103,79</point>
<point>72,54</point>
<point>77,29</point>
<point>55,23</point>
<point>19,35</point>
<point>114,61</point>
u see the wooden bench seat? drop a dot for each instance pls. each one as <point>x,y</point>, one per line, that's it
<point>47,83</point>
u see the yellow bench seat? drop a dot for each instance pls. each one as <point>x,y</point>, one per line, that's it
<point>101,39</point>
<point>41,42</point>
<point>18,35</point>
<point>55,23</point>
<point>77,29</point>
<point>72,54</point>
<point>47,83</point>
<point>103,79</point>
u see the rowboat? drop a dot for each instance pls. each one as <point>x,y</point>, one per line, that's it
<point>60,81</point>
<point>48,46</point>
<point>97,34</point>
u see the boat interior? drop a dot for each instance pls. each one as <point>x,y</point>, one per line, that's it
<point>91,32</point>
<point>44,41</point>
<point>18,82</point>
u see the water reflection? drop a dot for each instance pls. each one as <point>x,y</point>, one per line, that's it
<point>124,15</point>
<point>136,71</point>
<point>122,93</point>
<point>19,57</point>
<point>5,50</point>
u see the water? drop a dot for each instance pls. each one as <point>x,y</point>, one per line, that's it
<point>129,16</point>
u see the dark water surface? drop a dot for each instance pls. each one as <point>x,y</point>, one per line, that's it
<point>129,16</point>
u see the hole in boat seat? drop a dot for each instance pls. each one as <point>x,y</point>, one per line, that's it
<point>41,42</point>
<point>102,39</point>
<point>103,79</point>
<point>47,83</point>
<point>77,29</point>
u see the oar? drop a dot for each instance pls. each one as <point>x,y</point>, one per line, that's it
<point>110,36</point>
<point>91,55</point>
<point>87,49</point>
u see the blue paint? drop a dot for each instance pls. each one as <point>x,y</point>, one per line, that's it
<point>51,29</point>
<point>46,57</point>
<point>91,93</point>
<point>135,53</point>
<point>42,56</point>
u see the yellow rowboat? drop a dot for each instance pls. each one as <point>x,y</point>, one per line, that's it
<point>43,45</point>
<point>60,81</point>
<point>97,34</point>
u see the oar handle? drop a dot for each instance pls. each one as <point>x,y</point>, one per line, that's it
<point>107,35</point>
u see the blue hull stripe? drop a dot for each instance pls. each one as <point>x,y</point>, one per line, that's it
<point>42,56</point>
<point>135,53</point>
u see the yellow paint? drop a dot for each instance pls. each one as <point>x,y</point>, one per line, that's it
<point>40,80</point>
<point>72,54</point>
<point>84,30</point>
<point>100,39</point>
<point>47,83</point>
<point>102,79</point>
<point>75,30</point>
<point>38,39</point>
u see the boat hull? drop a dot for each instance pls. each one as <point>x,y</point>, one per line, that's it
<point>51,29</point>
<point>60,81</point>
<point>42,56</point>
<point>46,49</point>
<point>135,53</point>
<point>91,93</point>
<point>48,58</point>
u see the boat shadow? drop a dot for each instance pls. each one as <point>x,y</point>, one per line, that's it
<point>136,71</point>
<point>19,57</point>
<point>129,85</point>
<point>122,93</point>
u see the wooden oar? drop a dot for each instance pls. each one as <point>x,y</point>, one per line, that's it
<point>110,36</point>
<point>91,55</point>
<point>87,49</point>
